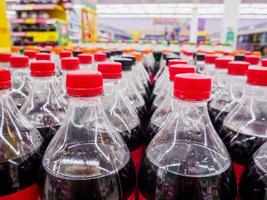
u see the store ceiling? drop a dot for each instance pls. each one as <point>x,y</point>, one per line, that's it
<point>170,1</point>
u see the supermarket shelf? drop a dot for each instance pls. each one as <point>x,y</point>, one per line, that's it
<point>32,21</point>
<point>19,34</point>
<point>24,7</point>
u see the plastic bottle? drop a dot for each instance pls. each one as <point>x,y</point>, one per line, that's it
<point>253,183</point>
<point>68,64</point>
<point>186,159</point>
<point>264,62</point>
<point>121,112</point>
<point>65,54</point>
<point>209,65</point>
<point>31,55</point>
<point>21,84</point>
<point>245,129</point>
<point>99,58</point>
<point>4,60</point>
<point>87,159</point>
<point>230,95</point>
<point>130,90</point>
<point>86,61</point>
<point>200,63</point>
<point>45,108</point>
<point>20,147</point>
<point>43,56</point>
<point>161,86</point>
<point>164,109</point>
<point>253,60</point>
<point>220,76</point>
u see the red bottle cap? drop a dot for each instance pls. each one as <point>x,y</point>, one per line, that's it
<point>4,57</point>
<point>257,76</point>
<point>19,61</point>
<point>238,67</point>
<point>209,58</point>
<point>84,83</point>
<point>222,63</point>
<point>43,56</point>
<point>64,54</point>
<point>110,69</point>
<point>5,79</point>
<point>188,53</point>
<point>30,53</point>
<point>176,61</point>
<point>180,69</point>
<point>264,62</point>
<point>70,63</point>
<point>100,57</point>
<point>42,68</point>
<point>252,59</point>
<point>85,58</point>
<point>194,87</point>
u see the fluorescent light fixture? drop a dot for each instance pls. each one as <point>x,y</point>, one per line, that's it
<point>176,10</point>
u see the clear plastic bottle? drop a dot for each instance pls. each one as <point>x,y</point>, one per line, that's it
<point>130,90</point>
<point>220,75</point>
<point>163,111</point>
<point>4,60</point>
<point>68,64</point>
<point>253,60</point>
<point>245,129</point>
<point>31,55</point>
<point>140,70</point>
<point>45,108</point>
<point>20,148</point>
<point>209,65</point>
<point>200,63</point>
<point>230,95</point>
<point>99,58</point>
<point>162,83</point>
<point>87,159</point>
<point>21,84</point>
<point>253,183</point>
<point>65,54</point>
<point>86,61</point>
<point>120,111</point>
<point>136,79</point>
<point>186,159</point>
<point>43,56</point>
<point>264,62</point>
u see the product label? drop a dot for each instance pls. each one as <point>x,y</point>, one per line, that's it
<point>29,193</point>
<point>137,156</point>
<point>239,170</point>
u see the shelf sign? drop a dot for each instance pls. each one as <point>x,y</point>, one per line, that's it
<point>5,42</point>
<point>43,36</point>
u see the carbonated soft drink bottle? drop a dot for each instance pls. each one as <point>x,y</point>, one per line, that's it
<point>186,159</point>
<point>21,84</point>
<point>20,148</point>
<point>120,111</point>
<point>87,159</point>
<point>45,108</point>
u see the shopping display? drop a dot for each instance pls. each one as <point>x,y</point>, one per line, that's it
<point>121,119</point>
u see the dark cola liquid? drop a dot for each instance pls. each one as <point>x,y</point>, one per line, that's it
<point>217,118</point>
<point>253,183</point>
<point>151,131</point>
<point>48,133</point>
<point>143,115</point>
<point>155,183</point>
<point>118,186</point>
<point>133,139</point>
<point>20,173</point>
<point>241,146</point>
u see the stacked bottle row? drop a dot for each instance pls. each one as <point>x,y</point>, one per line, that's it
<point>118,126</point>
